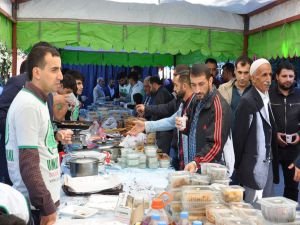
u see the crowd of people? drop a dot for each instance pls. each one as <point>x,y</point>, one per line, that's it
<point>240,118</point>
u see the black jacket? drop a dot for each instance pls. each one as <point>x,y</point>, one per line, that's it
<point>163,138</point>
<point>163,110</point>
<point>254,141</point>
<point>286,110</point>
<point>212,129</point>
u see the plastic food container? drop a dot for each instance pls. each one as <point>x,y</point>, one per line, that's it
<point>225,181</point>
<point>211,209</point>
<point>133,160</point>
<point>175,207</point>
<point>197,206</point>
<point>237,221</point>
<point>164,163</point>
<point>142,159</point>
<point>221,215</point>
<point>153,165</point>
<point>179,180</point>
<point>142,166</point>
<point>176,193</point>
<point>217,172</point>
<point>239,206</point>
<point>124,151</point>
<point>200,179</point>
<point>150,150</point>
<point>232,193</point>
<point>197,215</point>
<point>200,194</point>
<point>204,167</point>
<point>278,209</point>
<point>152,160</point>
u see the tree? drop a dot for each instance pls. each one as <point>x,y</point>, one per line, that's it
<point>5,62</point>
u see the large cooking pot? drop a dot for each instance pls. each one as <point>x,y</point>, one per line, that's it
<point>81,167</point>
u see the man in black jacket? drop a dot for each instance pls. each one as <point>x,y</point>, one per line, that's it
<point>161,96</point>
<point>285,103</point>
<point>208,123</point>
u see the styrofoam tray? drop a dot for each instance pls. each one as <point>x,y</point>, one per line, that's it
<point>78,211</point>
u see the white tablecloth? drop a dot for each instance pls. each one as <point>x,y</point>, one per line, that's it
<point>145,181</point>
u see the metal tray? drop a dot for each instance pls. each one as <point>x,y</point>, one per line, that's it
<point>82,125</point>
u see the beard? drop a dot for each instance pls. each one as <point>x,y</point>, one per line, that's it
<point>201,96</point>
<point>285,87</point>
<point>180,94</point>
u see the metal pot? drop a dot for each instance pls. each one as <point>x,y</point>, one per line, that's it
<point>81,167</point>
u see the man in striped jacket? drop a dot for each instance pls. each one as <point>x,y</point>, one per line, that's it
<point>209,121</point>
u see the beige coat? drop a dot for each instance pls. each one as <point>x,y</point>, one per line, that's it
<point>226,90</point>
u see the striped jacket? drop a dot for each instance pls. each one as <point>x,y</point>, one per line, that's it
<point>212,129</point>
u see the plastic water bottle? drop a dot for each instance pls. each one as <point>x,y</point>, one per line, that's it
<point>184,218</point>
<point>162,223</point>
<point>155,217</point>
<point>197,222</point>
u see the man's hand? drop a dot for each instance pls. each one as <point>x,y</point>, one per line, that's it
<point>296,138</point>
<point>281,140</point>
<point>297,172</point>
<point>140,108</point>
<point>191,167</point>
<point>48,220</point>
<point>64,136</point>
<point>139,126</point>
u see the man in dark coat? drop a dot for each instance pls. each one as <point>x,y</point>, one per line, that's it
<point>285,103</point>
<point>161,96</point>
<point>254,136</point>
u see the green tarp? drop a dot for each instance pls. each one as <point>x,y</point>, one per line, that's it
<point>156,45</point>
<point>6,31</point>
<point>279,42</point>
<point>116,59</point>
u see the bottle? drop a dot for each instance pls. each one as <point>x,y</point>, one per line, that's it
<point>158,207</point>
<point>162,223</point>
<point>197,222</point>
<point>184,218</point>
<point>154,219</point>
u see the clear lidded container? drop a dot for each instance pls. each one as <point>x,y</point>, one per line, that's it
<point>200,194</point>
<point>233,193</point>
<point>211,209</point>
<point>179,179</point>
<point>200,179</point>
<point>278,209</point>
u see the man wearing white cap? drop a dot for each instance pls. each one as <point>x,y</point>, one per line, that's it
<point>254,137</point>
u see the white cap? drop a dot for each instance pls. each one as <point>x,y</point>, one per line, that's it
<point>257,63</point>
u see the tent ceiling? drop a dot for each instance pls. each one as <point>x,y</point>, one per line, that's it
<point>232,6</point>
<point>179,13</point>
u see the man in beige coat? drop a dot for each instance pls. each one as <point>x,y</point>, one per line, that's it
<point>235,88</point>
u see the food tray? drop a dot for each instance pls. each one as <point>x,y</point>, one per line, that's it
<point>211,209</point>
<point>200,194</point>
<point>217,172</point>
<point>80,125</point>
<point>278,209</point>
<point>78,211</point>
<point>233,193</point>
<point>221,215</point>
<point>175,207</point>
<point>179,180</point>
<point>200,179</point>
<point>176,193</point>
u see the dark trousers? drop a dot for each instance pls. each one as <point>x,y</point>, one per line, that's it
<point>290,186</point>
<point>4,177</point>
<point>35,217</point>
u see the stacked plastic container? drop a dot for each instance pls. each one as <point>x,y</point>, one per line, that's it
<point>279,210</point>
